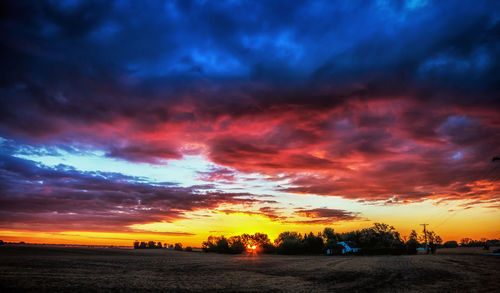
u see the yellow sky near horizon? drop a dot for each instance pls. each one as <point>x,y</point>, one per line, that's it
<point>473,223</point>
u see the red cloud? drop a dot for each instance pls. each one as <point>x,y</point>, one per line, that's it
<point>324,216</point>
<point>368,149</point>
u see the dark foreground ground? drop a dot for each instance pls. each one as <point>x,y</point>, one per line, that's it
<point>80,269</point>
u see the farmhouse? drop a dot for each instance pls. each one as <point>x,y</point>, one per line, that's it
<point>348,247</point>
<point>343,247</point>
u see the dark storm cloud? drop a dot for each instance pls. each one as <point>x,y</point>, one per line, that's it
<point>92,61</point>
<point>64,198</point>
<point>374,98</point>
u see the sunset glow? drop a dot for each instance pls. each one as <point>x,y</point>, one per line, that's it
<point>175,120</point>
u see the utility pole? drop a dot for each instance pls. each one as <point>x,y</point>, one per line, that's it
<point>425,236</point>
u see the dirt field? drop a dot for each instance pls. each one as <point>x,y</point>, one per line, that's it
<point>80,269</point>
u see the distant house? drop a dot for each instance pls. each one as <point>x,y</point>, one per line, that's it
<point>348,247</point>
<point>344,247</point>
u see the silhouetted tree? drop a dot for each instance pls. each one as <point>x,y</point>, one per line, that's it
<point>330,239</point>
<point>380,239</point>
<point>222,245</point>
<point>431,237</point>
<point>313,244</point>
<point>412,243</point>
<point>350,236</point>
<point>236,244</point>
<point>329,234</point>
<point>493,242</point>
<point>188,249</point>
<point>413,235</point>
<point>264,243</point>
<point>260,240</point>
<point>465,241</point>
<point>289,243</point>
<point>178,246</point>
<point>149,244</point>
<point>468,242</point>
<point>450,244</point>
<point>287,236</point>
<point>210,245</point>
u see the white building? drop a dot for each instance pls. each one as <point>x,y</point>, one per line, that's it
<point>348,247</point>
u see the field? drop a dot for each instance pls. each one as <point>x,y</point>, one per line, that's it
<point>30,268</point>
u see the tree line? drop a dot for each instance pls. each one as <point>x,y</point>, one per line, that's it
<point>238,244</point>
<point>379,239</point>
<point>468,242</point>
<point>159,245</point>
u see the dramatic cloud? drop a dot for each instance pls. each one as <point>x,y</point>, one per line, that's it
<point>274,214</point>
<point>378,102</point>
<point>64,198</point>
<point>322,216</point>
<point>325,216</point>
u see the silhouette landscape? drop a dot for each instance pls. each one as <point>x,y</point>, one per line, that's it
<point>192,145</point>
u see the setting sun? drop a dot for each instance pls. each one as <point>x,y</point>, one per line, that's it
<point>252,247</point>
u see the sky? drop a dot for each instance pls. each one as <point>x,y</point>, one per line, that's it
<point>175,120</point>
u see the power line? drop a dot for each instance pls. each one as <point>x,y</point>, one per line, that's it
<point>485,174</point>
<point>425,236</point>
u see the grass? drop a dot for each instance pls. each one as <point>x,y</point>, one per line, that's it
<point>84,269</point>
<point>466,250</point>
